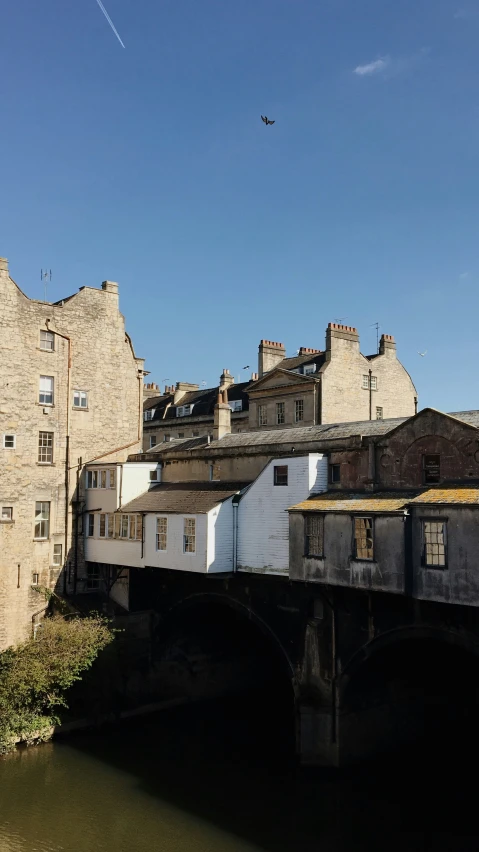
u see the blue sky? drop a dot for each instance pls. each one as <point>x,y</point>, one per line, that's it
<point>150,166</point>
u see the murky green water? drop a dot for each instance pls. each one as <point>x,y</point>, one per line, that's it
<point>210,779</point>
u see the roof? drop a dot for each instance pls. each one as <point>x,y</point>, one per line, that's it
<point>451,496</point>
<point>191,497</point>
<point>177,444</point>
<point>471,417</point>
<point>324,432</point>
<point>293,363</point>
<point>151,402</point>
<point>204,402</point>
<point>333,501</point>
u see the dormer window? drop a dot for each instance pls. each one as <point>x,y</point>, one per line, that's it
<point>183,410</point>
<point>236,405</point>
<point>309,369</point>
<point>148,415</point>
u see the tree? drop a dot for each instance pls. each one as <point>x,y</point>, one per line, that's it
<point>35,675</point>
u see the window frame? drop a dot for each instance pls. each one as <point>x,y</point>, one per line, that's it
<point>153,441</point>
<point>90,525</point>
<point>334,467</point>
<point>277,475</point>
<point>262,414</point>
<point>14,438</point>
<point>424,563</point>
<point>50,337</point>
<point>236,405</point>
<point>93,576</point>
<point>99,474</point>
<point>46,393</point>
<point>356,557</point>
<point>82,395</point>
<point>308,552</point>
<point>163,534</point>
<point>155,477</point>
<point>43,521</point>
<point>9,518</point>
<point>57,562</point>
<point>280,413</point>
<point>188,519</point>
<point>45,447</point>
<point>298,404</point>
<point>379,412</point>
<point>425,479</point>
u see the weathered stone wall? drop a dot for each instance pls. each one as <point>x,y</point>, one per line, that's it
<point>104,365</point>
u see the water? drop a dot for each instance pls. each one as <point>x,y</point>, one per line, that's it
<point>215,778</point>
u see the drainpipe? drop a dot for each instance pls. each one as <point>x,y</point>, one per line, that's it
<point>370,396</point>
<point>235,534</point>
<point>67,441</point>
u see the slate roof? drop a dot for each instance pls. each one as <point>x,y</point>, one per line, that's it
<point>325,432</point>
<point>176,444</point>
<point>204,401</point>
<point>471,417</point>
<point>299,360</point>
<point>152,402</point>
<point>377,503</point>
<point>196,498</point>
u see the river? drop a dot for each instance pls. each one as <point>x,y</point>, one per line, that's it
<point>209,778</point>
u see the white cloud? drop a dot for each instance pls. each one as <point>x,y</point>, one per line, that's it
<point>372,67</point>
<point>464,275</point>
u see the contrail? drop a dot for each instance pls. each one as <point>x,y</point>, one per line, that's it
<point>112,25</point>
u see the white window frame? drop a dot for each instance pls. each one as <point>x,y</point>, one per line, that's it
<point>153,441</point>
<point>47,337</point>
<point>188,536</point>
<point>280,413</point>
<point>428,541</point>
<point>309,369</point>
<point>90,525</point>
<point>154,475</point>
<point>36,581</point>
<point>236,405</point>
<point>163,534</point>
<point>96,476</point>
<point>298,405</point>
<point>46,393</point>
<point>130,524</point>
<point>9,435</point>
<point>45,448</point>
<point>148,415</point>
<point>379,412</point>
<point>82,397</point>
<point>184,410</point>
<point>6,517</point>
<point>43,521</point>
<point>365,384</point>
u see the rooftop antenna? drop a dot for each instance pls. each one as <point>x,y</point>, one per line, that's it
<point>45,276</point>
<point>376,326</point>
<point>339,319</point>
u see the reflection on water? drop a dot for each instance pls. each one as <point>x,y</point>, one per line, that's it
<point>211,778</point>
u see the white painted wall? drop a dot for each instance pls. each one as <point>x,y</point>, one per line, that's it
<point>263,524</point>
<point>174,557</point>
<point>132,479</point>
<point>136,480</point>
<point>113,551</point>
<point>220,537</point>
<point>105,499</point>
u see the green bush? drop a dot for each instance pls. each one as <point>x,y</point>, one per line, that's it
<point>35,676</point>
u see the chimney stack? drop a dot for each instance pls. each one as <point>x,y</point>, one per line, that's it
<point>150,389</point>
<point>340,339</point>
<point>270,354</point>
<point>3,265</point>
<point>387,345</point>
<point>305,350</point>
<point>110,287</point>
<point>226,379</point>
<point>222,415</point>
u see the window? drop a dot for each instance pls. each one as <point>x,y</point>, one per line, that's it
<point>181,434</point>
<point>379,413</point>
<point>280,412</point>
<point>298,410</point>
<point>57,554</point>
<point>314,535</point>
<point>334,473</point>
<point>106,525</point>
<point>102,531</point>
<point>90,524</point>
<point>129,527</point>
<point>431,465</point>
<point>47,340</point>
<point>184,410</point>
<point>152,441</point>
<point>7,513</point>
<point>80,399</point>
<point>189,535</point>
<point>161,533</point>
<point>309,369</point>
<point>42,520</point>
<point>236,405</point>
<point>154,475</point>
<point>46,390</point>
<point>262,416</point>
<point>148,415</point>
<point>281,474</point>
<point>434,544</point>
<point>196,434</point>
<point>363,538</point>
<point>166,437</point>
<point>374,382</point>
<point>35,579</point>
<point>100,478</point>
<point>93,576</point>
<point>45,447</point>
<point>9,442</point>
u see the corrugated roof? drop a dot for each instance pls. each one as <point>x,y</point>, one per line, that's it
<point>191,497</point>
<point>333,501</point>
<point>449,496</point>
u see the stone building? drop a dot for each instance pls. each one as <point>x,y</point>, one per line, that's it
<point>336,385</point>
<point>71,391</point>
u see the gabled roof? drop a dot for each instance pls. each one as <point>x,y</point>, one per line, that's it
<point>469,418</point>
<point>300,360</point>
<point>280,372</point>
<point>195,498</point>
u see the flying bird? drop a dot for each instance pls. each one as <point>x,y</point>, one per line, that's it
<point>422,354</point>
<point>112,25</point>
<point>266,119</point>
